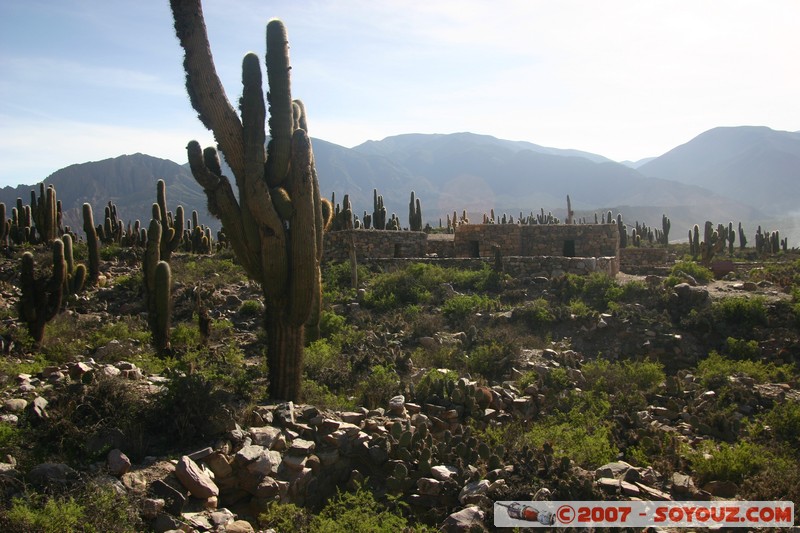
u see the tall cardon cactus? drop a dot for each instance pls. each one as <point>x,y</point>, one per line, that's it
<point>278,247</point>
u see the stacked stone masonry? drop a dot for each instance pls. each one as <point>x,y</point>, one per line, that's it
<point>546,250</point>
<point>644,260</point>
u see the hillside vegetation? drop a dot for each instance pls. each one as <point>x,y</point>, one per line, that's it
<point>509,387</point>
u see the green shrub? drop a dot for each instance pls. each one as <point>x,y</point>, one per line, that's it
<point>729,462</point>
<point>411,285</point>
<point>461,306</point>
<point>184,336</point>
<point>589,446</point>
<point>251,309</point>
<point>491,360</point>
<point>742,349</point>
<point>325,364</point>
<point>9,437</point>
<point>351,512</point>
<point>784,422</point>
<point>679,271</point>
<point>557,379</point>
<point>578,428</point>
<point>284,518</point>
<point>579,308</point>
<point>741,312</point>
<point>95,508</point>
<point>536,314</point>
<point>330,323</point>
<point>379,386</point>
<point>603,375</point>
<point>320,396</point>
<point>55,515</point>
<point>713,371</point>
<point>443,356</point>
<point>133,328</point>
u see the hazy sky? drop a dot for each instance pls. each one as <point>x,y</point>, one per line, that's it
<point>85,80</point>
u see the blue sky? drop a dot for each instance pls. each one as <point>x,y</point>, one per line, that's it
<point>85,80</point>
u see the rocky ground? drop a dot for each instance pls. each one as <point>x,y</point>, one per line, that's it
<point>433,448</point>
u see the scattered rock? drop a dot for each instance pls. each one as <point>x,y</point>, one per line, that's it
<point>51,475</point>
<point>195,479</point>
<point>118,463</point>
<point>467,519</point>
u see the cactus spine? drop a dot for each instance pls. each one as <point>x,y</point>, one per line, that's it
<point>283,255</point>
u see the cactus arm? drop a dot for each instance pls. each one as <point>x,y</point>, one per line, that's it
<point>281,109</point>
<point>303,231</point>
<point>272,258</point>
<point>222,204</point>
<point>206,93</point>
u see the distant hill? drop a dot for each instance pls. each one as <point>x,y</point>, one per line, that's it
<point>128,180</point>
<point>756,166</point>
<point>479,173</point>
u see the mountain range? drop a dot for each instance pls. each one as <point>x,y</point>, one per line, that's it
<point>747,174</point>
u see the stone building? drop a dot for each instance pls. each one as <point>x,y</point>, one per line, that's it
<point>560,240</point>
<point>558,247</point>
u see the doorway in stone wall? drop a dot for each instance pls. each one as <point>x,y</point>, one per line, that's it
<point>474,249</point>
<point>569,248</point>
<point>398,251</point>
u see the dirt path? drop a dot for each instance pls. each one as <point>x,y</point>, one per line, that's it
<point>727,288</point>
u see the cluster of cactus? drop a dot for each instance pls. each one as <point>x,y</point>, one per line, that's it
<point>452,223</point>
<point>343,218</point>
<point>378,211</point>
<point>415,451</point>
<point>414,214</point>
<point>540,218</point>
<point>623,230</point>
<point>714,241</point>
<point>111,231</point>
<point>42,296</point>
<point>490,218</point>
<point>197,238</point>
<point>46,213</point>
<point>41,221</point>
<point>770,243</point>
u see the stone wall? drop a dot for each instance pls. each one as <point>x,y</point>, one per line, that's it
<point>378,244</point>
<point>552,266</point>
<point>441,245</point>
<point>644,261</point>
<point>544,248</point>
<point>568,240</point>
